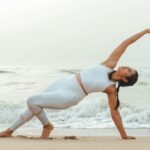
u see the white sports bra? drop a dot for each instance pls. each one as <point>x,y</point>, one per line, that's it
<point>95,78</point>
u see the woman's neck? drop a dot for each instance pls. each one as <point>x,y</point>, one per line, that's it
<point>114,76</point>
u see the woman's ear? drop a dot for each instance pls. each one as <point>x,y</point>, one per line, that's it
<point>124,79</point>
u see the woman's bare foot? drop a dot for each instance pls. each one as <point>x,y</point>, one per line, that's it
<point>6,133</point>
<point>47,130</point>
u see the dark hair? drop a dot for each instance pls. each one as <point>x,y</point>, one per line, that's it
<point>131,80</point>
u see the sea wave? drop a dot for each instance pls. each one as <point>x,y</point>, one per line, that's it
<point>88,114</point>
<point>70,71</point>
<point>5,71</point>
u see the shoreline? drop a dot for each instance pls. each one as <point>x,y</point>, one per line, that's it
<point>108,132</point>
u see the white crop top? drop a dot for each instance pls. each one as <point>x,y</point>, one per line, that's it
<point>95,78</point>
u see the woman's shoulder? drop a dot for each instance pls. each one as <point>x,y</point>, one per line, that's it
<point>111,89</point>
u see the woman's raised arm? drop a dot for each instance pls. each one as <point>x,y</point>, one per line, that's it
<point>114,57</point>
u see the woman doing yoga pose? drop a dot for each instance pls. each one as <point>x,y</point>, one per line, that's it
<point>71,89</point>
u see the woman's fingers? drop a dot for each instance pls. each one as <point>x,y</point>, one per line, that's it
<point>129,138</point>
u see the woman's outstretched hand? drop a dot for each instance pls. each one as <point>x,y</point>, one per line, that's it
<point>148,30</point>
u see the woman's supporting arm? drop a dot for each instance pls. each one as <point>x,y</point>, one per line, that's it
<point>114,57</point>
<point>116,116</point>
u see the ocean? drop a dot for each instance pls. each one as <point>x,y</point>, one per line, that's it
<point>17,83</point>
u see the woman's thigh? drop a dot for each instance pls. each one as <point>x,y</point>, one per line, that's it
<point>55,99</point>
<point>64,84</point>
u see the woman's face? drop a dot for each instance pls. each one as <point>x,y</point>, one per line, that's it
<point>125,71</point>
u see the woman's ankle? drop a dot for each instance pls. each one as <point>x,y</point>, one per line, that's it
<point>9,130</point>
<point>48,125</point>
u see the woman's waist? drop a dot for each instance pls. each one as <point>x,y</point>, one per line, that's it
<point>78,78</point>
<point>71,83</point>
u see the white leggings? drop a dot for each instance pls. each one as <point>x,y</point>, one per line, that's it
<point>60,94</point>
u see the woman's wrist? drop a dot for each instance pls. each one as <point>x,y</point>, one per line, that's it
<point>124,136</point>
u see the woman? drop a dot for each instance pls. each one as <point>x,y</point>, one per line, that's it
<point>70,90</point>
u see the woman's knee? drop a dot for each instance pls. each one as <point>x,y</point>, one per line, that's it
<point>32,103</point>
<point>31,100</point>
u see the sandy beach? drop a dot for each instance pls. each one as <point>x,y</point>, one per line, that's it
<point>84,143</point>
<point>85,139</point>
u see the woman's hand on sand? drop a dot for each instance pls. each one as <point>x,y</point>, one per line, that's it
<point>129,138</point>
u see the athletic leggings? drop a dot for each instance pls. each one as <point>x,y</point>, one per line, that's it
<point>60,94</point>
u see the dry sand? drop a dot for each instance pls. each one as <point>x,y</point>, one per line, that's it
<point>74,143</point>
<point>78,139</point>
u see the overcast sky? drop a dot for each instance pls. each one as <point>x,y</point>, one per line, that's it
<point>72,32</point>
